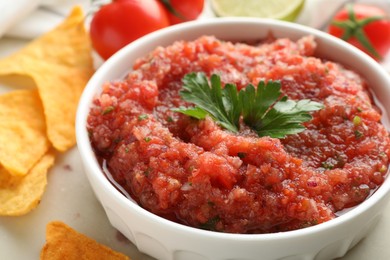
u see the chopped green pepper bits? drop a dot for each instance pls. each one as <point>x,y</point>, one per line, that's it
<point>327,165</point>
<point>107,110</point>
<point>357,120</point>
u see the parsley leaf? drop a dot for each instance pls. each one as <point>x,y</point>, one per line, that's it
<point>263,108</point>
<point>269,115</point>
<point>195,112</point>
<point>221,104</point>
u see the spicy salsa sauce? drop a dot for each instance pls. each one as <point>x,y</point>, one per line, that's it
<point>196,173</point>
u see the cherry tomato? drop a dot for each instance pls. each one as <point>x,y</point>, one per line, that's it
<point>364,26</point>
<point>123,21</point>
<point>183,10</point>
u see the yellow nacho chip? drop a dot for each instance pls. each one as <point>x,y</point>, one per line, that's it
<point>60,64</point>
<point>63,242</point>
<point>20,194</point>
<point>23,139</point>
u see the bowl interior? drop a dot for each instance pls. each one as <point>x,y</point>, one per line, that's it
<point>235,29</point>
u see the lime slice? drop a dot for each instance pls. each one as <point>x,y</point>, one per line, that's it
<point>287,10</point>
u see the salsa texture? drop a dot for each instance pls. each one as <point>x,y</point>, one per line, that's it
<point>198,174</point>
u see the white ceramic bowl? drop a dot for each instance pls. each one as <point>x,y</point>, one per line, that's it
<point>164,239</point>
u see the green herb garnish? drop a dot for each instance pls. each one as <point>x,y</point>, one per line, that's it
<point>241,155</point>
<point>169,119</point>
<point>210,224</point>
<point>221,104</point>
<point>147,171</point>
<point>143,117</point>
<point>358,134</point>
<point>263,109</point>
<point>117,140</point>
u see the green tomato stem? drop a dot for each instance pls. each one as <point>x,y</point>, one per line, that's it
<point>168,5</point>
<point>354,27</point>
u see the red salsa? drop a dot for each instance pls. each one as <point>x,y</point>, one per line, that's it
<point>198,174</point>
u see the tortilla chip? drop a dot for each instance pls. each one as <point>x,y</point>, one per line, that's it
<point>60,64</point>
<point>20,194</point>
<point>63,242</point>
<point>23,139</point>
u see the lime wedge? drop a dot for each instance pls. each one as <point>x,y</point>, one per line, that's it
<point>287,10</point>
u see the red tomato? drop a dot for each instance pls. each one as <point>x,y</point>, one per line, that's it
<point>123,21</point>
<point>183,10</point>
<point>366,27</point>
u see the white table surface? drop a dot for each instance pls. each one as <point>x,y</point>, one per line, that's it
<point>69,198</point>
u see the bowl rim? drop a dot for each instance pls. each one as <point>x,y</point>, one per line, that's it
<point>94,83</point>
